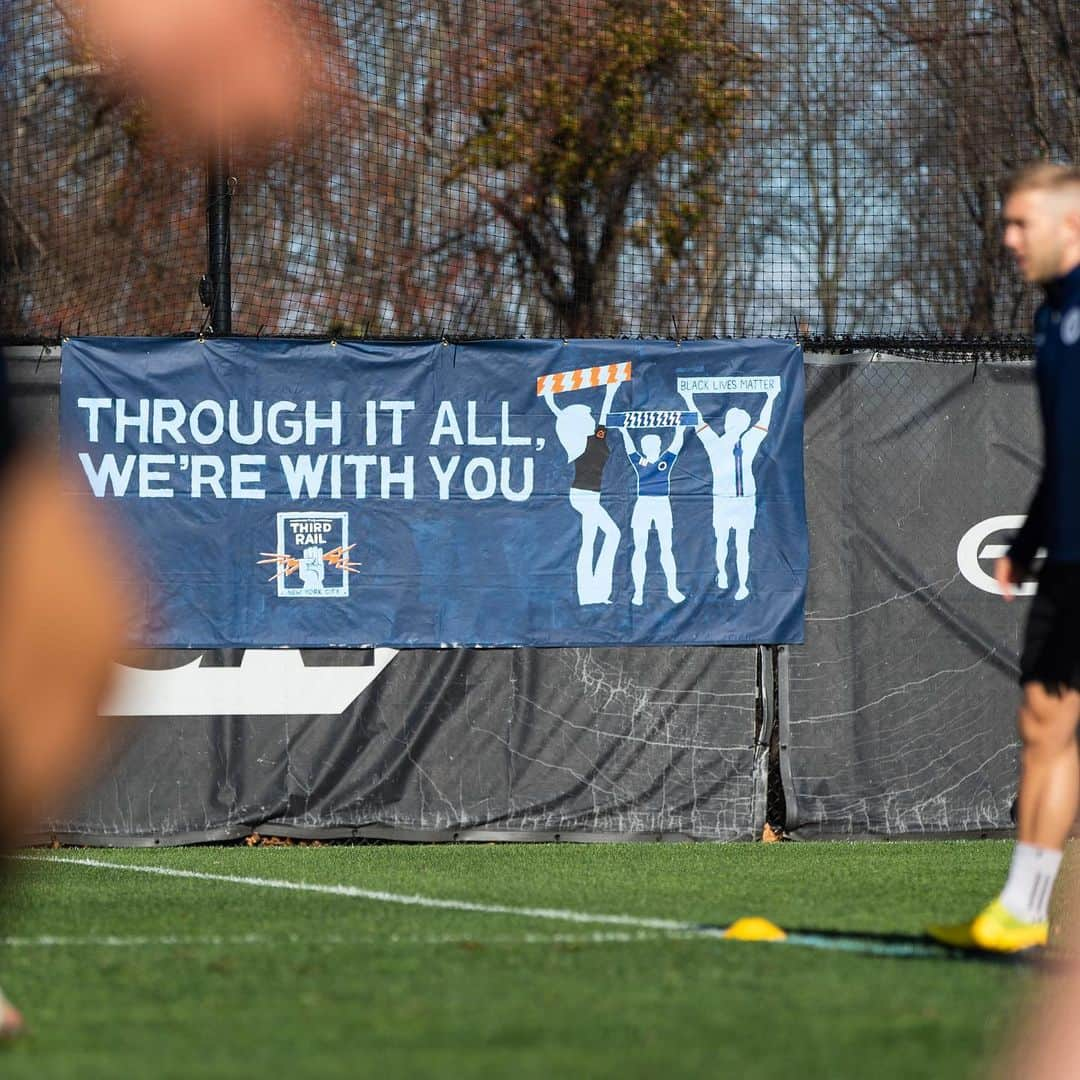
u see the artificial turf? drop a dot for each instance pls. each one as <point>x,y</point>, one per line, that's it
<point>130,974</point>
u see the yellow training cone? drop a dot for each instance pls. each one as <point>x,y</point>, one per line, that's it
<point>754,928</point>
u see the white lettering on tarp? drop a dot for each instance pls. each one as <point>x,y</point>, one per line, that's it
<point>268,682</point>
<point>524,493</point>
<point>217,416</point>
<point>158,475</point>
<point>160,421</point>
<point>207,470</point>
<point>397,409</point>
<point>360,464</point>
<point>727,384</point>
<point>371,427</point>
<point>249,438</point>
<point>108,475</point>
<point>150,476</point>
<point>169,422</point>
<point>94,406</point>
<point>171,425</point>
<point>507,438</point>
<point>375,432</point>
<point>308,476</point>
<point>444,474</point>
<point>314,423</point>
<point>139,420</point>
<point>404,477</point>
<point>486,489</point>
<point>306,531</point>
<point>304,473</point>
<point>477,487</point>
<point>294,430</point>
<point>245,473</point>
<point>472,435</point>
<point>446,425</point>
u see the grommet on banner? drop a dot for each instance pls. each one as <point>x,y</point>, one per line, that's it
<point>202,340</point>
<point>333,343</point>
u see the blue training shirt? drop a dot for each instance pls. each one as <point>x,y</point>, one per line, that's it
<point>1053,519</point>
<point>654,477</point>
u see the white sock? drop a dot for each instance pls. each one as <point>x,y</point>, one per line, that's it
<point>1030,882</point>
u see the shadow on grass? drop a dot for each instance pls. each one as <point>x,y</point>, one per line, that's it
<point>914,947</point>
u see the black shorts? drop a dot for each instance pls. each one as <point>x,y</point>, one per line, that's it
<point>1051,653</point>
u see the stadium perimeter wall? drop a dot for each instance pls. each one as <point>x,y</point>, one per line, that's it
<point>894,719</point>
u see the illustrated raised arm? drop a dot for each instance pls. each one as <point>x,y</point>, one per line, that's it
<point>766,413</point>
<point>609,397</point>
<point>549,396</point>
<point>753,439</point>
<point>628,442</point>
<point>704,430</point>
<point>677,442</point>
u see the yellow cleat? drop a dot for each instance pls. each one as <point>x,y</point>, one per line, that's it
<point>994,929</point>
<point>955,935</point>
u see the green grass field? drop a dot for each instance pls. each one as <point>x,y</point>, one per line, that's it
<point>135,974</point>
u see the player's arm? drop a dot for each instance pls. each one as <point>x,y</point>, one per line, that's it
<point>609,397</point>
<point>62,624</point>
<point>1011,568</point>
<point>677,442</point>
<point>549,396</point>
<point>628,442</point>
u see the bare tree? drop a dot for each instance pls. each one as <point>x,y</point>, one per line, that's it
<point>602,101</point>
<point>980,88</point>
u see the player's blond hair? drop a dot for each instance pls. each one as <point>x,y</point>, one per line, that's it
<point>1042,176</point>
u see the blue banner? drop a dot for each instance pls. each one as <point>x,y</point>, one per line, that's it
<point>493,493</point>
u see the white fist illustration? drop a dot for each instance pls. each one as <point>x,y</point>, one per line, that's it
<point>312,568</point>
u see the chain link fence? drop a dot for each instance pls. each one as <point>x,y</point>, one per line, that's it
<point>671,168</point>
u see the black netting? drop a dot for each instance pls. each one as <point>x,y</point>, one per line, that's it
<point>564,167</point>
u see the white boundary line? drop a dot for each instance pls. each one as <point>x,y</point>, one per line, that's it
<point>377,895</point>
<point>601,937</point>
<point>661,928</point>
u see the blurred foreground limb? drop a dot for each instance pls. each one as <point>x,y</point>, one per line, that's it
<point>63,619</point>
<point>200,62</point>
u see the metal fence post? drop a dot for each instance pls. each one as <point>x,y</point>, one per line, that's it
<point>218,292</point>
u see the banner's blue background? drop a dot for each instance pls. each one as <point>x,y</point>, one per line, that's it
<point>458,571</point>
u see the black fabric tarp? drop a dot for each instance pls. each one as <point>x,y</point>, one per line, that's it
<point>456,744</point>
<point>897,716</point>
<point>647,743</point>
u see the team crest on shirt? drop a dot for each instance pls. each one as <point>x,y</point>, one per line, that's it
<point>312,556</point>
<point>1070,326</point>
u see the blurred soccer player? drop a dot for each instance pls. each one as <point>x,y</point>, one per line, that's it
<point>1042,231</point>
<point>61,607</point>
<point>196,60</point>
